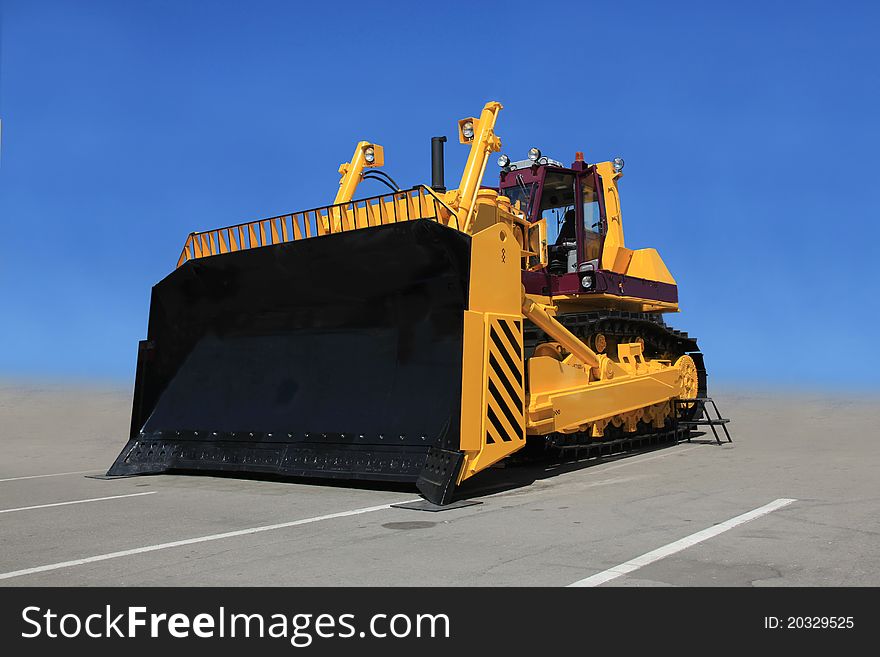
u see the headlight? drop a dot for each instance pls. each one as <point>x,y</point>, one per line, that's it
<point>534,154</point>
<point>618,164</point>
<point>587,282</point>
<point>369,155</point>
<point>468,130</point>
<point>503,161</point>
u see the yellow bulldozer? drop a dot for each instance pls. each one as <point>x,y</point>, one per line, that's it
<point>418,336</point>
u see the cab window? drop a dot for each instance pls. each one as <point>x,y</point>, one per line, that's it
<point>592,240</point>
<point>558,208</point>
<point>521,193</point>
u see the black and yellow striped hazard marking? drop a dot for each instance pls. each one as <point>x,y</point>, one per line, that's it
<point>505,398</point>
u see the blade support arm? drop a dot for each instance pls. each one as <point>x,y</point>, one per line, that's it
<point>543,320</point>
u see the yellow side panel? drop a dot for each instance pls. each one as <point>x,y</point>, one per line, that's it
<point>493,406</point>
<point>647,263</point>
<point>496,282</point>
<point>505,386</point>
<point>615,255</point>
<point>616,258</point>
<point>486,215</point>
<point>493,386</point>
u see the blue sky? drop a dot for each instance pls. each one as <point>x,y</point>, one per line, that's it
<point>750,132</point>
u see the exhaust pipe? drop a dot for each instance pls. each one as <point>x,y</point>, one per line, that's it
<point>438,182</point>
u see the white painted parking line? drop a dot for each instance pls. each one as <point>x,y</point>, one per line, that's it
<point>93,499</point>
<point>681,544</point>
<point>54,474</point>
<point>193,541</point>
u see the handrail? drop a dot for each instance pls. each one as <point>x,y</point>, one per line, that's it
<point>419,202</point>
<point>438,199</point>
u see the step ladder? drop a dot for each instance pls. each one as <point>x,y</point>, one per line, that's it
<point>700,418</point>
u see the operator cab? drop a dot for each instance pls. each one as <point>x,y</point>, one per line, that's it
<point>568,199</point>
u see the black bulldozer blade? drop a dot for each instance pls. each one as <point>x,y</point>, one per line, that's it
<point>338,356</point>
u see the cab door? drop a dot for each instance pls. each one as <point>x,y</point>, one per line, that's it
<point>590,221</point>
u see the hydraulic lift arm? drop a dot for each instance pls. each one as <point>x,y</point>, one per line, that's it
<point>366,155</point>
